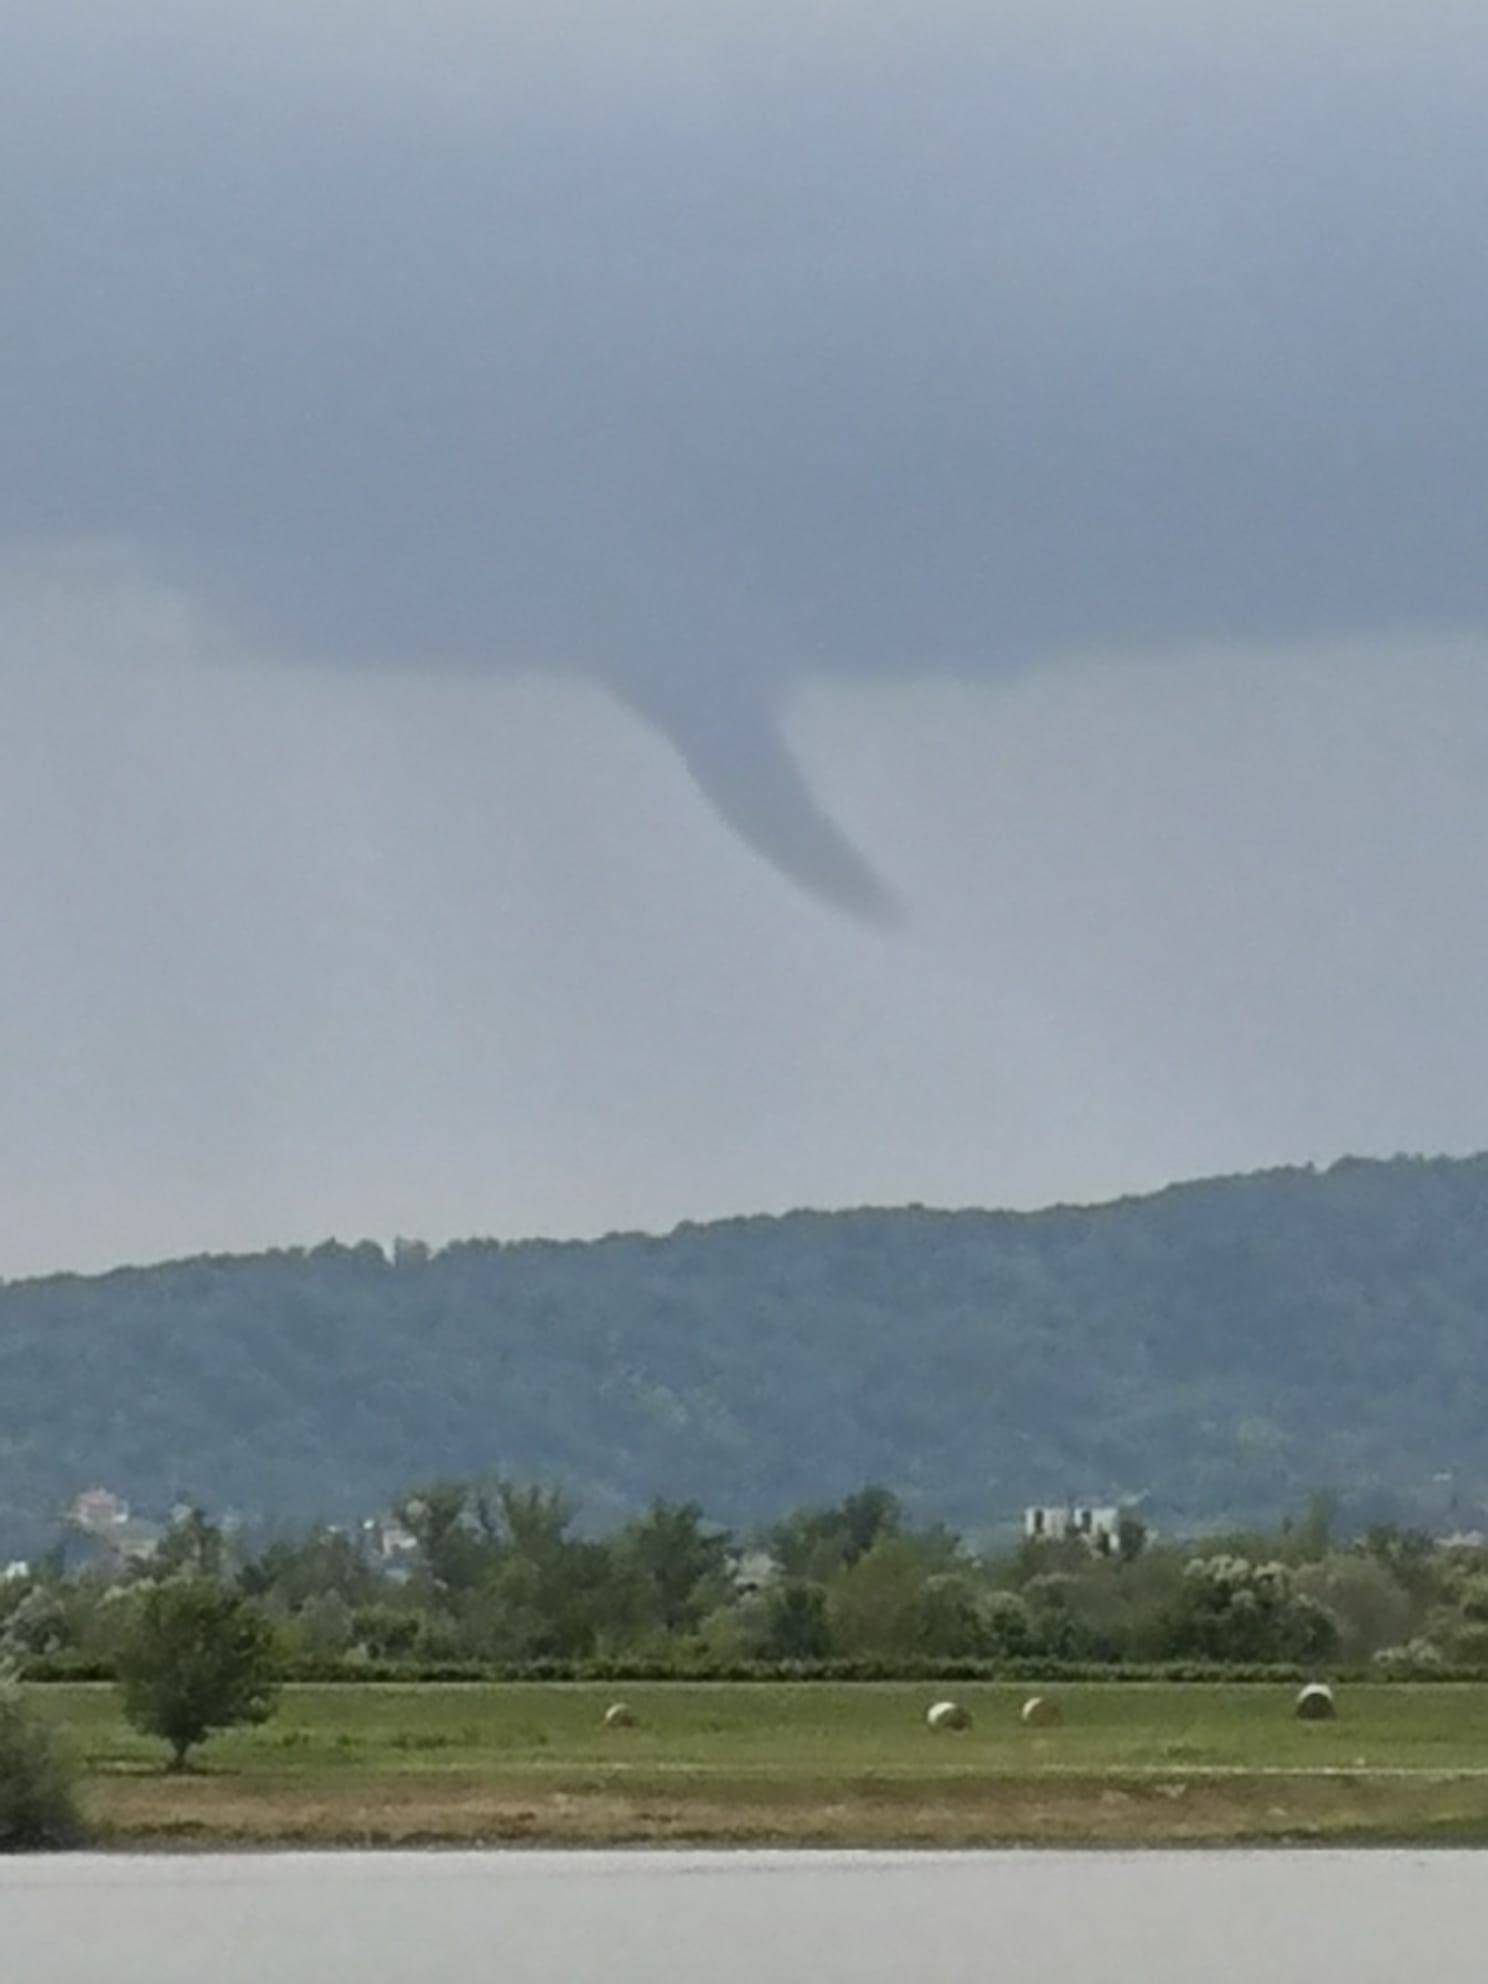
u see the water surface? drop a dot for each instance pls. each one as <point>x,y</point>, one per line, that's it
<point>1316,1917</point>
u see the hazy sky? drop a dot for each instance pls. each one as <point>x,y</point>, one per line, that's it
<point>621,612</point>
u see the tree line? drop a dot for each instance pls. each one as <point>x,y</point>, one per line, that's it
<point>497,1575</point>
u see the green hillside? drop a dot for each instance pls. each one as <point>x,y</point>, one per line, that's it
<point>1219,1348</point>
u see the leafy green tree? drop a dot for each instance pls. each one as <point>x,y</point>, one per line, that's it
<point>950,1623</point>
<point>1131,1536</point>
<point>796,1626</point>
<point>323,1626</point>
<point>678,1563</point>
<point>530,1518</point>
<point>1307,1539</point>
<point>192,1547</point>
<point>548,1607</point>
<point>1371,1608</point>
<point>874,1606</point>
<point>389,1632</point>
<point>1046,1556</point>
<point>1070,1611</point>
<point>196,1657</point>
<point>1231,1609</point>
<point>1006,1626</point>
<point>817,1543</point>
<point>868,1514</point>
<point>442,1519</point>
<point>288,1574</point>
<point>543,1595</point>
<point>40,1623</point>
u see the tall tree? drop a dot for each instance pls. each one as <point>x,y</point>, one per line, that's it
<point>678,1560</point>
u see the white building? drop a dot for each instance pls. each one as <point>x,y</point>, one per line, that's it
<point>388,1540</point>
<point>1097,1528</point>
<point>753,1571</point>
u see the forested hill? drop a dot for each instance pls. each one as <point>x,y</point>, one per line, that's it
<point>1220,1347</point>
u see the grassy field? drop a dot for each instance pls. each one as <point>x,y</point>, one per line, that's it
<point>812,1764</point>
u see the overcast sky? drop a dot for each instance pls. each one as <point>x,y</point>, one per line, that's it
<point>625,612</point>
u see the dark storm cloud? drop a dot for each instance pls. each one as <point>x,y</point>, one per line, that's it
<point>704,359</point>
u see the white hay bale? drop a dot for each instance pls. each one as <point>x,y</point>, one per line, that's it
<point>948,1715</point>
<point>620,1715</point>
<point>1315,1703</point>
<point>1040,1713</point>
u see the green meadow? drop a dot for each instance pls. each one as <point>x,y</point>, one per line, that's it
<point>825,1763</point>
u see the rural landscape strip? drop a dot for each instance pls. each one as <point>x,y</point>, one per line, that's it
<point>848,1765</point>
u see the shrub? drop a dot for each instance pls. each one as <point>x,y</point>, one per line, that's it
<point>1231,1609</point>
<point>39,1624</point>
<point>37,1806</point>
<point>1417,1660</point>
<point>1467,1646</point>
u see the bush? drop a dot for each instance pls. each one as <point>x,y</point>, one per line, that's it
<point>1228,1608</point>
<point>37,1807</point>
<point>64,1667</point>
<point>709,1664</point>
<point>1417,1660</point>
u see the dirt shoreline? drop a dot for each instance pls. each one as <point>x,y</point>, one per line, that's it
<point>214,1812</point>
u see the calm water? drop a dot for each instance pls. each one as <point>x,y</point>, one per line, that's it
<point>716,1918</point>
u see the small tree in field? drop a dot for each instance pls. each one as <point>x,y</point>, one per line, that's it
<point>196,1657</point>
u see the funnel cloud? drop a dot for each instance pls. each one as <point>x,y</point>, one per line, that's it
<point>707,358</point>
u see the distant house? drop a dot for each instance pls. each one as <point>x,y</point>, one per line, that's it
<point>753,1571</point>
<point>389,1542</point>
<point>104,1519</point>
<point>98,1511</point>
<point>1097,1528</point>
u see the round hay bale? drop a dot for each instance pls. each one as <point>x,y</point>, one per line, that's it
<point>1315,1703</point>
<point>620,1715</point>
<point>948,1715</point>
<point>1040,1713</point>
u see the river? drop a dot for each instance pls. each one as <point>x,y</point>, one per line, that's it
<point>1316,1917</point>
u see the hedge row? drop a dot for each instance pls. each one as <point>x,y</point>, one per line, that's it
<point>77,1667</point>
